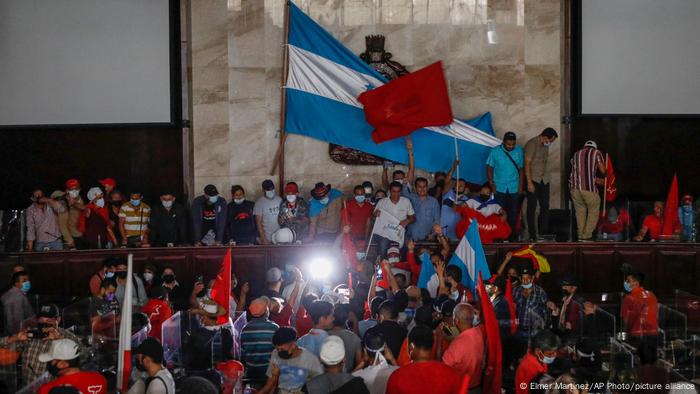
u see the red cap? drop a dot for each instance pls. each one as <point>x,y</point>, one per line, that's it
<point>71,183</point>
<point>108,181</point>
<point>291,188</point>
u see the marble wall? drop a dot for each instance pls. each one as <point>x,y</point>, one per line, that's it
<point>236,48</point>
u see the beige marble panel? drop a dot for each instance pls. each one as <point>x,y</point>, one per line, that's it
<point>542,25</point>
<point>470,45</point>
<point>209,26</point>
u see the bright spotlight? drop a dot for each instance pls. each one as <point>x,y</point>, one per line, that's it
<point>320,268</point>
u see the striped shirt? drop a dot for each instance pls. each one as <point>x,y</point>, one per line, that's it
<point>256,346</point>
<point>584,165</point>
<point>137,219</point>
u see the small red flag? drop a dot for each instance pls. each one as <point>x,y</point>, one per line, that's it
<point>417,100</point>
<point>610,187</point>
<point>671,221</point>
<point>491,383</point>
<point>511,307</point>
<point>221,290</point>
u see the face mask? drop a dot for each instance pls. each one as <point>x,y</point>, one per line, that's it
<point>393,259</point>
<point>270,194</point>
<point>213,199</point>
<point>475,321</point>
<point>109,297</point>
<point>238,201</point>
<point>100,203</point>
<point>53,369</point>
<point>148,276</point>
<point>26,286</point>
<point>324,200</point>
<point>360,199</point>
<point>167,204</point>
<point>291,198</point>
<point>547,144</point>
<point>121,274</point>
<point>74,193</point>
<point>368,190</point>
<point>526,286</point>
<point>484,197</point>
<point>169,278</point>
<point>508,149</point>
<point>547,360</point>
<point>109,274</point>
<point>136,203</point>
<point>284,354</point>
<point>360,255</point>
<point>627,287</point>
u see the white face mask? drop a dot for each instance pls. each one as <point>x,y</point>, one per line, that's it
<point>74,193</point>
<point>100,202</point>
<point>270,194</point>
<point>291,198</point>
<point>239,201</point>
<point>148,276</point>
<point>368,190</point>
<point>324,200</point>
<point>167,204</point>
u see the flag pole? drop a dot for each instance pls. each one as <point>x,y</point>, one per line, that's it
<point>605,184</point>
<point>457,183</point>
<point>124,355</point>
<point>279,155</point>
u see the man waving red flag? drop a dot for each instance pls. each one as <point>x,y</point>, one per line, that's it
<point>221,290</point>
<point>408,103</point>
<point>491,382</point>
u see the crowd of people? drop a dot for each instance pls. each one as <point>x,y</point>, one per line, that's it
<point>383,331</point>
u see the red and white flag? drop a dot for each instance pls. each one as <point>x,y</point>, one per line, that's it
<point>610,186</point>
<point>124,356</point>
<point>221,290</point>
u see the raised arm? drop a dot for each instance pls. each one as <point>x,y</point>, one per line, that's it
<point>386,270</point>
<point>411,176</point>
<point>502,267</point>
<point>448,180</point>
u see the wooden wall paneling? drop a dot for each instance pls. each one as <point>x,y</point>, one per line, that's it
<point>562,262</point>
<point>594,270</point>
<point>639,259</point>
<point>676,269</point>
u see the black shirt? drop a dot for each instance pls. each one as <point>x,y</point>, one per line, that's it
<point>208,218</point>
<point>240,223</point>
<point>168,226</point>
<point>393,333</point>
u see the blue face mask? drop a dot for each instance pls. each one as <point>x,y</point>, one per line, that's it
<point>26,286</point>
<point>627,287</point>
<point>475,321</point>
<point>547,360</point>
<point>213,199</point>
<point>109,274</point>
<point>360,199</point>
<point>136,203</point>
<point>527,286</point>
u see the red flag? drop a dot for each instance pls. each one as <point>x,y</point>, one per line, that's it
<point>464,389</point>
<point>671,221</point>
<point>511,307</point>
<point>347,245</point>
<point>221,291</point>
<point>408,103</point>
<point>610,187</point>
<point>491,382</point>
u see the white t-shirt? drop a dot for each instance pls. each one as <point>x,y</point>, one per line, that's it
<point>162,383</point>
<point>401,210</point>
<point>376,377</point>
<point>269,210</point>
<point>491,209</point>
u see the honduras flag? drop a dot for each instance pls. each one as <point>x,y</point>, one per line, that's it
<point>469,257</point>
<point>323,82</point>
<point>426,270</point>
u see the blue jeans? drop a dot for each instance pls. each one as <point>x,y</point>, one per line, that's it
<point>42,246</point>
<point>510,202</point>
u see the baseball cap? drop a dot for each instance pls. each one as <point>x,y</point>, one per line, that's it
<point>108,181</point>
<point>210,190</point>
<point>274,274</point>
<point>50,311</point>
<point>509,136</point>
<point>61,349</point>
<point>591,143</point>
<point>152,348</point>
<point>268,185</point>
<point>393,250</point>
<point>291,188</point>
<point>568,280</point>
<point>332,350</point>
<point>258,306</point>
<point>72,183</point>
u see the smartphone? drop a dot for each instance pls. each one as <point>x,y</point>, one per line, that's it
<point>604,297</point>
<point>388,164</point>
<point>379,272</point>
<point>345,292</point>
<point>200,279</point>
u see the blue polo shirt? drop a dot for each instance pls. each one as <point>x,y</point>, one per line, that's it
<point>427,214</point>
<point>505,175</point>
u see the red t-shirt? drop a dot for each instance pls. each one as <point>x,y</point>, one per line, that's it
<point>359,215</point>
<point>85,382</point>
<point>654,224</point>
<point>640,312</point>
<point>158,311</point>
<point>529,367</point>
<point>304,324</point>
<point>424,377</point>
<point>623,219</point>
<point>284,318</point>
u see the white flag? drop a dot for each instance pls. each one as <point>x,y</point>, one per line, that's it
<point>124,361</point>
<point>388,227</point>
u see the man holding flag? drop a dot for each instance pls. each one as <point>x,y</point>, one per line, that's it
<point>393,215</point>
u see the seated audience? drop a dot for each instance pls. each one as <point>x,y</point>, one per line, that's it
<point>613,224</point>
<point>653,224</point>
<point>43,232</point>
<point>256,340</point>
<point>31,346</point>
<point>168,222</point>
<point>134,218</point>
<point>321,313</point>
<point>424,374</point>
<point>542,352</point>
<point>62,360</point>
<point>291,366</point>
<point>360,211</point>
<point>149,360</point>
<point>15,306</point>
<point>266,213</point>
<point>294,212</point>
<point>335,379</point>
<point>209,218</point>
<point>158,310</point>
<point>240,222</point>
<point>324,213</point>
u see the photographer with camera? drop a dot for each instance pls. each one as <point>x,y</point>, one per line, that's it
<point>33,342</point>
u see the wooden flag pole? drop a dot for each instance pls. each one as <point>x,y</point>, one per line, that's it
<point>279,155</point>
<point>456,183</point>
<point>605,185</point>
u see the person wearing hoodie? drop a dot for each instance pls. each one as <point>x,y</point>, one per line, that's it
<point>209,218</point>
